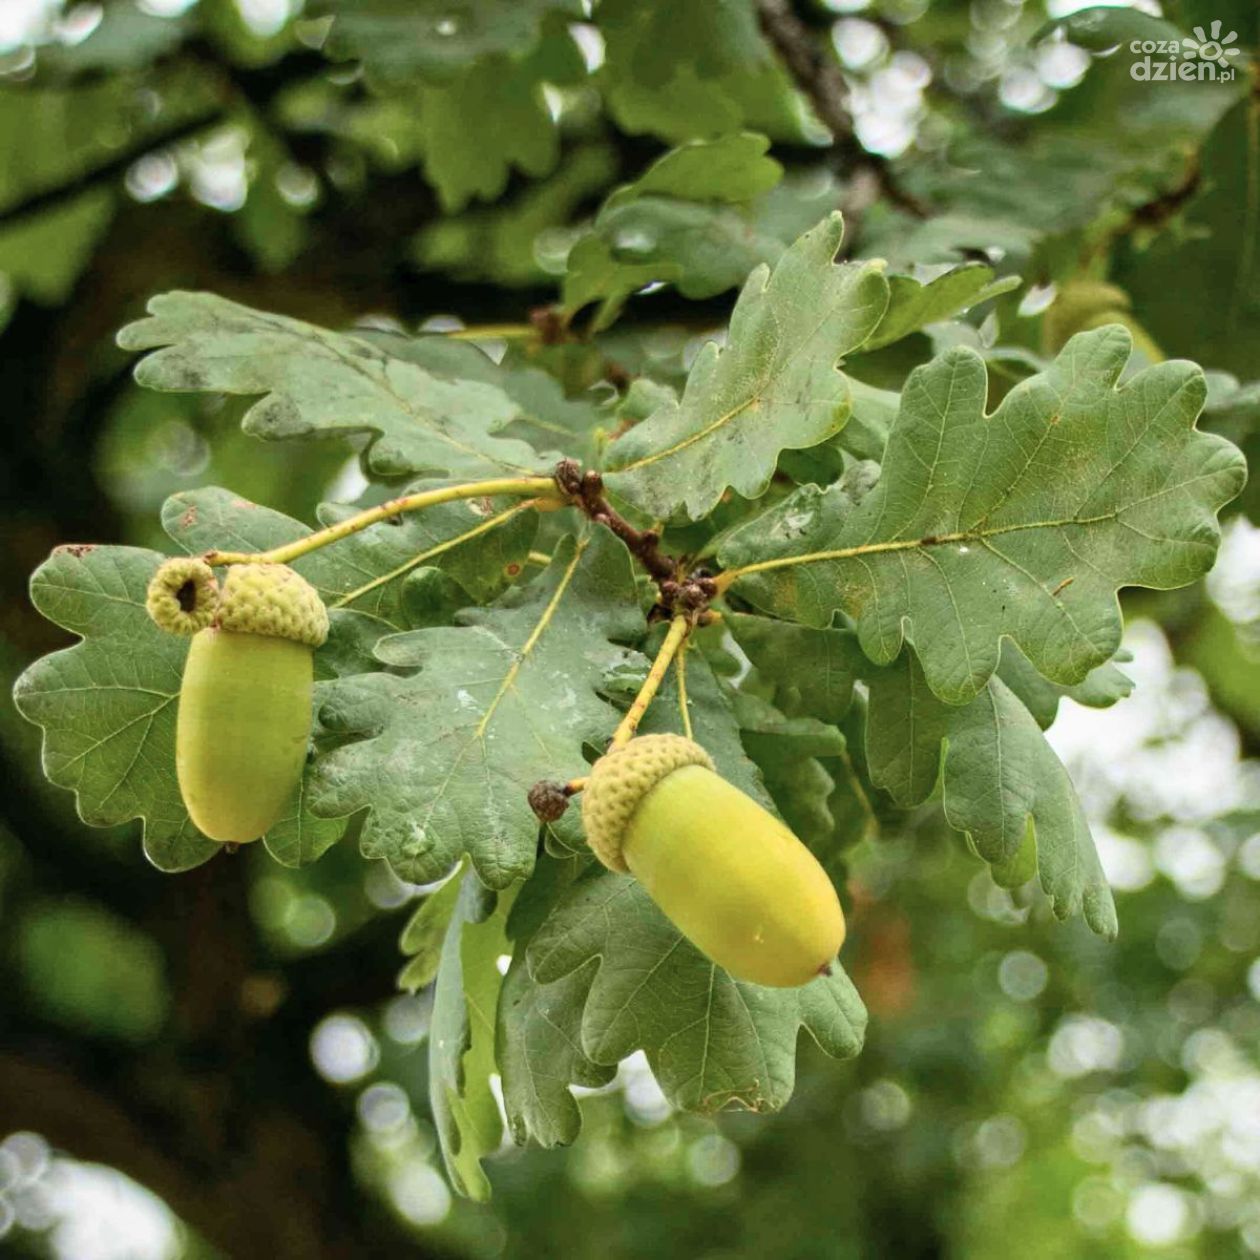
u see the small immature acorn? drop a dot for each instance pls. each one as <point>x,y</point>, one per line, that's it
<point>1081,305</point>
<point>245,704</point>
<point>548,799</point>
<point>731,877</point>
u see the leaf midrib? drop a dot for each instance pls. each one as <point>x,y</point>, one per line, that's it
<point>530,643</point>
<point>765,382</point>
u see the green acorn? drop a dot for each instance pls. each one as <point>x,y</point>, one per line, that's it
<point>245,704</point>
<point>729,875</point>
<point>1082,305</point>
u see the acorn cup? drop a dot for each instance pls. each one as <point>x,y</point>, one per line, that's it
<point>246,700</point>
<point>729,875</point>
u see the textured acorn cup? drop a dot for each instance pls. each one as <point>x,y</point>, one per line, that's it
<point>183,596</point>
<point>245,704</point>
<point>729,875</point>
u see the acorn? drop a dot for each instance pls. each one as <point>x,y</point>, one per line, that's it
<point>245,704</point>
<point>1082,305</point>
<point>728,874</point>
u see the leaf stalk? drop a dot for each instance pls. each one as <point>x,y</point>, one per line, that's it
<point>684,708</point>
<point>506,332</point>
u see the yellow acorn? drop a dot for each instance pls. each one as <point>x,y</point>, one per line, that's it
<point>245,703</point>
<point>729,875</point>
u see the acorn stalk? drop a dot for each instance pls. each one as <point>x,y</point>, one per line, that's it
<point>246,700</point>
<point>729,875</point>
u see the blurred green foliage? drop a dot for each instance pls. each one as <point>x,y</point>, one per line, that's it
<point>92,971</point>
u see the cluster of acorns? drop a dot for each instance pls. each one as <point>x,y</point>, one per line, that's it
<point>732,878</point>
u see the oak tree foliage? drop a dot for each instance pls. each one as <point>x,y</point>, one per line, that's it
<point>834,402</point>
